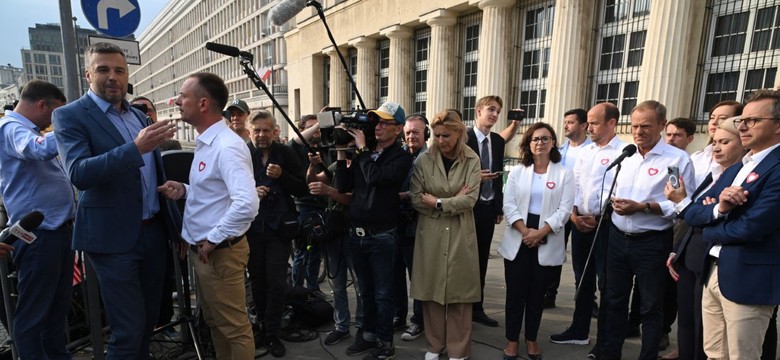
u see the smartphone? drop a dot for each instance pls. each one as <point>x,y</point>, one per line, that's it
<point>516,115</point>
<point>674,176</point>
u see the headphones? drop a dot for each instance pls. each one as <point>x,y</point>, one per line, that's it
<point>427,131</point>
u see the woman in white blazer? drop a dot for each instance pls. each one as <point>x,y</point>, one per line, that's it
<point>538,200</point>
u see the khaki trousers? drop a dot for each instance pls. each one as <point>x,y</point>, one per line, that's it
<point>731,331</point>
<point>222,298</point>
<point>448,326</point>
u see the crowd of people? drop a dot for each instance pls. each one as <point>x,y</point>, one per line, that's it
<point>662,236</point>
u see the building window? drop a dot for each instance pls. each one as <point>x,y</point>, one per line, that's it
<point>612,52</point>
<point>352,60</point>
<point>326,80</point>
<point>422,41</point>
<point>383,78</point>
<point>720,87</point>
<point>766,31</point>
<point>608,93</point>
<point>630,91</point>
<point>54,59</point>
<point>759,79</point>
<point>535,59</point>
<point>636,47</point>
<point>470,26</point>
<point>539,22</point>
<point>40,58</point>
<point>730,33</point>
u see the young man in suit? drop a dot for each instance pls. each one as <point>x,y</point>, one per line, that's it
<point>111,155</point>
<point>743,237</point>
<point>488,210</point>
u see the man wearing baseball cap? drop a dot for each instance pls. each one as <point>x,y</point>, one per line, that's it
<point>239,111</point>
<point>374,178</point>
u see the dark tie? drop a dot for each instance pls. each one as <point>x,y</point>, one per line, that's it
<point>484,161</point>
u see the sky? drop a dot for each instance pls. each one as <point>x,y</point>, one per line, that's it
<point>23,14</point>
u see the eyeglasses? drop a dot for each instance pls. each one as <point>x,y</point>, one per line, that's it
<point>384,124</point>
<point>542,139</point>
<point>750,121</point>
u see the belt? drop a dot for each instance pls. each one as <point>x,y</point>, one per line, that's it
<point>223,244</point>
<point>368,231</point>
<point>640,235</point>
<point>150,220</point>
<point>485,202</point>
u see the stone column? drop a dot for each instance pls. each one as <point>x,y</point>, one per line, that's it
<point>338,80</point>
<point>366,69</point>
<point>442,62</point>
<point>568,84</point>
<point>495,52</point>
<point>401,57</point>
<point>671,48</point>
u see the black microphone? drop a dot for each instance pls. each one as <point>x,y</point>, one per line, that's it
<point>285,11</point>
<point>23,228</point>
<point>228,50</point>
<point>629,150</point>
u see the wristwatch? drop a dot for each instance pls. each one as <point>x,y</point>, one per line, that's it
<point>647,208</point>
<point>438,204</point>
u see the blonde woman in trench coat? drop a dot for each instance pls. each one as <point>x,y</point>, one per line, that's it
<point>445,186</point>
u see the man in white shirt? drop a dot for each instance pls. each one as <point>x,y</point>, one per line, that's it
<point>590,172</point>
<point>221,204</point>
<point>640,238</point>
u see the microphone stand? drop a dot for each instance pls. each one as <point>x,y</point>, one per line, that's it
<point>316,5</point>
<point>603,211</point>
<point>246,62</point>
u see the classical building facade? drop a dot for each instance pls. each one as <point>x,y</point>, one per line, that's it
<point>173,47</point>
<point>544,56</point>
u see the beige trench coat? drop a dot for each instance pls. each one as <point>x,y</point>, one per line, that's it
<point>446,268</point>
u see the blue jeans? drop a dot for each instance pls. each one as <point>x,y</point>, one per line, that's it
<point>45,285</point>
<point>339,264</point>
<point>372,256</point>
<point>306,263</point>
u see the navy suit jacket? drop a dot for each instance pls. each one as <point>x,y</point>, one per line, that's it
<point>497,144</point>
<point>749,262</point>
<point>107,172</point>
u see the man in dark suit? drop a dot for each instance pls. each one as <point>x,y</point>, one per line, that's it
<point>488,210</point>
<point>739,215</point>
<point>111,155</point>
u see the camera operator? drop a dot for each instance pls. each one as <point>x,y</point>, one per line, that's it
<point>278,176</point>
<point>374,178</point>
<point>306,262</point>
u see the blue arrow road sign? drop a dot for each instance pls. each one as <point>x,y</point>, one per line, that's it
<point>117,18</point>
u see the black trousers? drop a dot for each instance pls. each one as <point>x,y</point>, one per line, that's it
<point>644,258</point>
<point>268,254</point>
<point>689,327</point>
<point>485,220</point>
<point>526,283</point>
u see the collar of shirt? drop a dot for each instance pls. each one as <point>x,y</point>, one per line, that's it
<point>208,136</point>
<point>24,120</point>
<point>567,144</point>
<point>481,137</point>
<point>759,156</point>
<point>105,105</point>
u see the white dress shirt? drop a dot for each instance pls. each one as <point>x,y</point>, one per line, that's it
<point>592,163</point>
<point>702,164</point>
<point>643,179</point>
<point>221,197</point>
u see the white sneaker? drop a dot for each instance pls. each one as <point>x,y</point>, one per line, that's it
<point>431,356</point>
<point>412,332</point>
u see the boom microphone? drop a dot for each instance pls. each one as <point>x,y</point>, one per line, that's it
<point>285,11</point>
<point>23,228</point>
<point>629,150</point>
<point>228,50</point>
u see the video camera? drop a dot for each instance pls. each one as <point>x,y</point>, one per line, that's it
<point>334,126</point>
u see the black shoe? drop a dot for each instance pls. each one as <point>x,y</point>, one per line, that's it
<point>482,318</point>
<point>664,343</point>
<point>633,332</point>
<point>568,337</point>
<point>381,352</point>
<point>535,356</point>
<point>593,354</point>
<point>549,302</point>
<point>335,336</point>
<point>360,346</point>
<point>399,324</point>
<point>275,346</point>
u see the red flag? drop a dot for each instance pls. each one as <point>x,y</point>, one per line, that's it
<point>265,73</point>
<point>171,101</point>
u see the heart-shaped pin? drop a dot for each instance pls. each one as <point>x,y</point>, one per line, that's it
<point>201,166</point>
<point>652,171</point>
<point>550,185</point>
<point>751,177</point>
<point>604,161</point>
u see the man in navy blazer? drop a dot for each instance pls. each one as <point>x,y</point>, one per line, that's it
<point>742,269</point>
<point>489,208</point>
<point>110,153</point>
